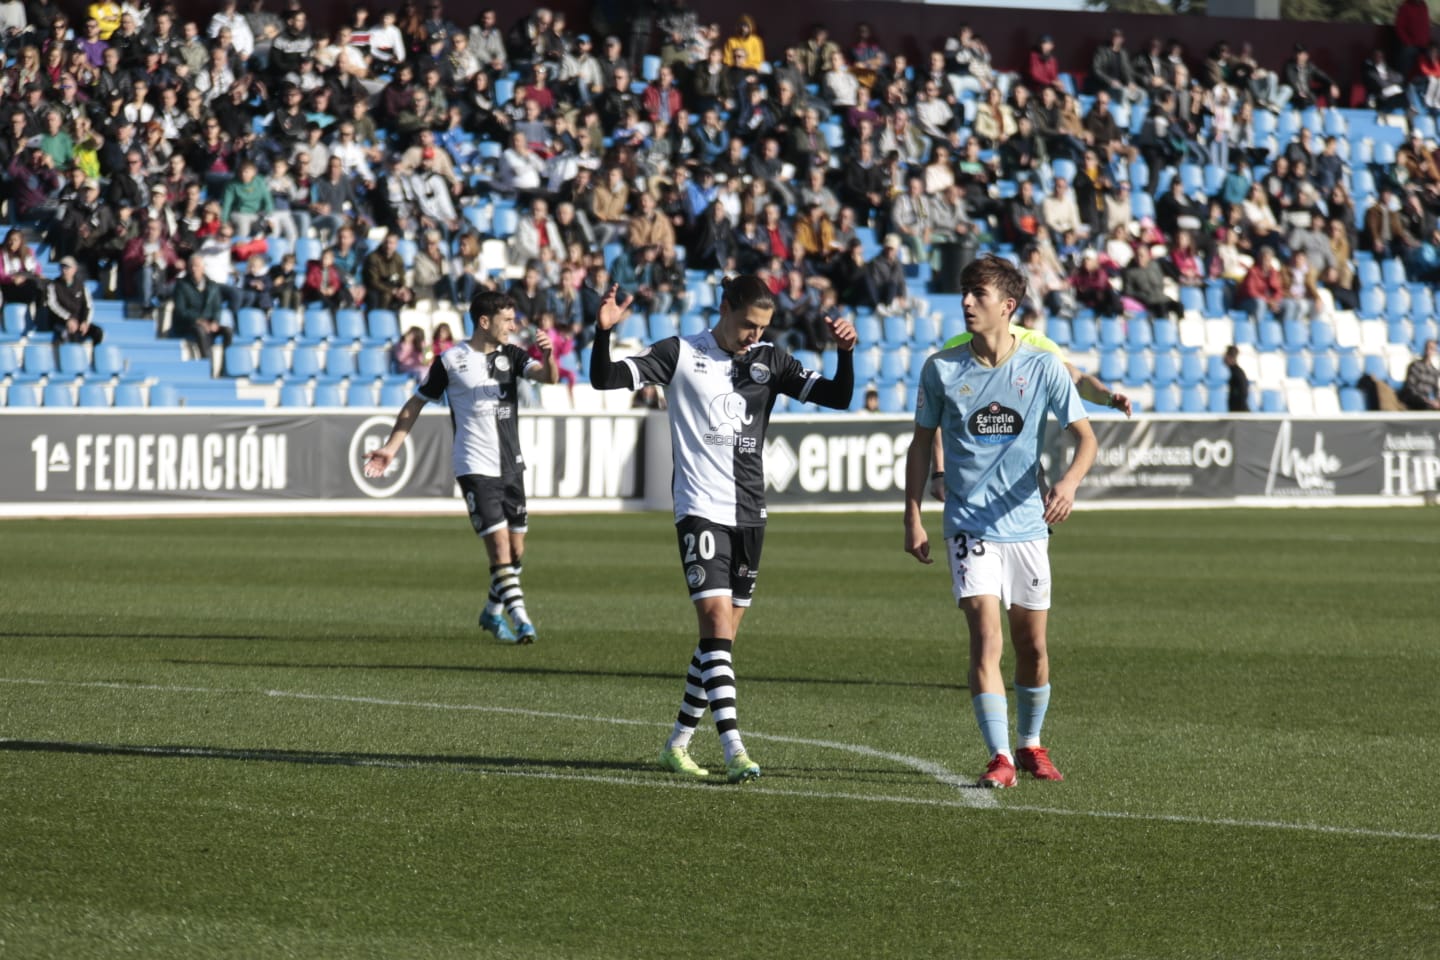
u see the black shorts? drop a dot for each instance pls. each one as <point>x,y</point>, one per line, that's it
<point>719,561</point>
<point>494,503</point>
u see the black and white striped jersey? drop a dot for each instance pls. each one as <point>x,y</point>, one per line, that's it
<point>481,390</point>
<point>719,406</point>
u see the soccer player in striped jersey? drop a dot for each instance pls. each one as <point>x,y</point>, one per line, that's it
<point>479,378</point>
<point>1091,387</point>
<point>992,396</point>
<point>722,386</point>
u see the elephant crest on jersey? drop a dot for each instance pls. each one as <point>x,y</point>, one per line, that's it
<point>729,416</point>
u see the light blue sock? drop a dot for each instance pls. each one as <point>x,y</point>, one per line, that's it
<point>993,717</point>
<point>1030,706</point>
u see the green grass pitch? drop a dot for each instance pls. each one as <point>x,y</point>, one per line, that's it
<point>286,738</point>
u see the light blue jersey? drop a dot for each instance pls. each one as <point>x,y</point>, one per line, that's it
<point>993,422</point>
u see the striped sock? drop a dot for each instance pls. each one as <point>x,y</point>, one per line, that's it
<point>1030,706</point>
<point>692,706</point>
<point>494,604</point>
<point>718,675</point>
<point>991,714</point>
<point>506,585</point>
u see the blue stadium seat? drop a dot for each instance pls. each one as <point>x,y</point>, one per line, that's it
<point>1215,300</point>
<point>1242,332</point>
<point>1375,368</point>
<point>1423,330</point>
<point>1398,331</point>
<point>16,317</point>
<point>383,325</point>
<point>897,331</point>
<point>305,361</point>
<point>1271,336</point>
<point>1166,333</point>
<point>1322,335</point>
<point>39,358</point>
<point>1192,299</point>
<point>1352,400</point>
<point>631,328</point>
<point>868,328</point>
<point>1112,366</point>
<point>250,324</point>
<point>1192,399</point>
<point>924,331</point>
<point>866,362</point>
<point>294,395</point>
<point>23,395</point>
<point>239,362</point>
<point>894,398</point>
<point>407,249</point>
<point>59,395</point>
<point>1216,372</point>
<point>1112,333</point>
<point>661,325</point>
<point>1167,400</point>
<point>329,395</point>
<point>917,364</point>
<point>93,395</point>
<point>1058,329</point>
<point>372,362</point>
<point>164,395</point>
<point>307,249</point>
<point>892,366</point>
<point>339,362</point>
<point>1192,369</point>
<point>1083,334</point>
<point>1324,371</point>
<point>1219,400</point>
<point>284,326</point>
<point>1295,366</point>
<point>1422,302</point>
<point>505,221</point>
<point>395,394</point>
<point>129,395</point>
<point>72,359</point>
<point>693,323</point>
<point>1167,369</point>
<point>350,324</point>
<point>319,324</point>
<point>1296,334</point>
<point>274,362</point>
<point>504,91</point>
<point>1272,401</point>
<point>1351,369</point>
<point>1138,334</point>
<point>1367,272</point>
<point>1138,369</point>
<point>1392,271</point>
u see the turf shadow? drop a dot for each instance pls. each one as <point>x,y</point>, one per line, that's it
<point>563,672</point>
<point>313,757</point>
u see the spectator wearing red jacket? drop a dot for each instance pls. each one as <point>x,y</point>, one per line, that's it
<point>1044,67</point>
<point>1412,33</point>
<point>1264,284</point>
<point>662,100</point>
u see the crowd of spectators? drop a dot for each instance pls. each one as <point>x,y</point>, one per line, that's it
<point>171,160</point>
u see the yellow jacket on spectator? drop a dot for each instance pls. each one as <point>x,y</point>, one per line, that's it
<point>107,14</point>
<point>747,40</point>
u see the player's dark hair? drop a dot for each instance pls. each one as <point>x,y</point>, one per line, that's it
<point>996,272</point>
<point>487,303</point>
<point>746,291</point>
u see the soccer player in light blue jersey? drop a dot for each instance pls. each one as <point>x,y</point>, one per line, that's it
<point>992,396</point>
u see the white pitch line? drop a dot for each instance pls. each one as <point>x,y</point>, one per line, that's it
<point>969,795</point>
<point>965,801</point>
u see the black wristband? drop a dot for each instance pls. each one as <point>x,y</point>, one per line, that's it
<point>937,474</point>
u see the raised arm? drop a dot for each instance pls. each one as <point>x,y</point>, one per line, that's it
<point>605,374</point>
<point>837,392</point>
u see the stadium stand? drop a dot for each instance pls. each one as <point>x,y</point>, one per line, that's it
<point>273,175</point>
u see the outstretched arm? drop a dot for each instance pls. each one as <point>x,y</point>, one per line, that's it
<point>1094,390</point>
<point>378,461</point>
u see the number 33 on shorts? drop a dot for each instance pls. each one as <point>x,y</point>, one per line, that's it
<point>1017,573</point>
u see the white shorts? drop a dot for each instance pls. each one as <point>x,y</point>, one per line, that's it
<point>1017,573</point>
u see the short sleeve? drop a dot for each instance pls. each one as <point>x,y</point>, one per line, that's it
<point>656,363</point>
<point>432,388</point>
<point>1064,399</point>
<point>929,396</point>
